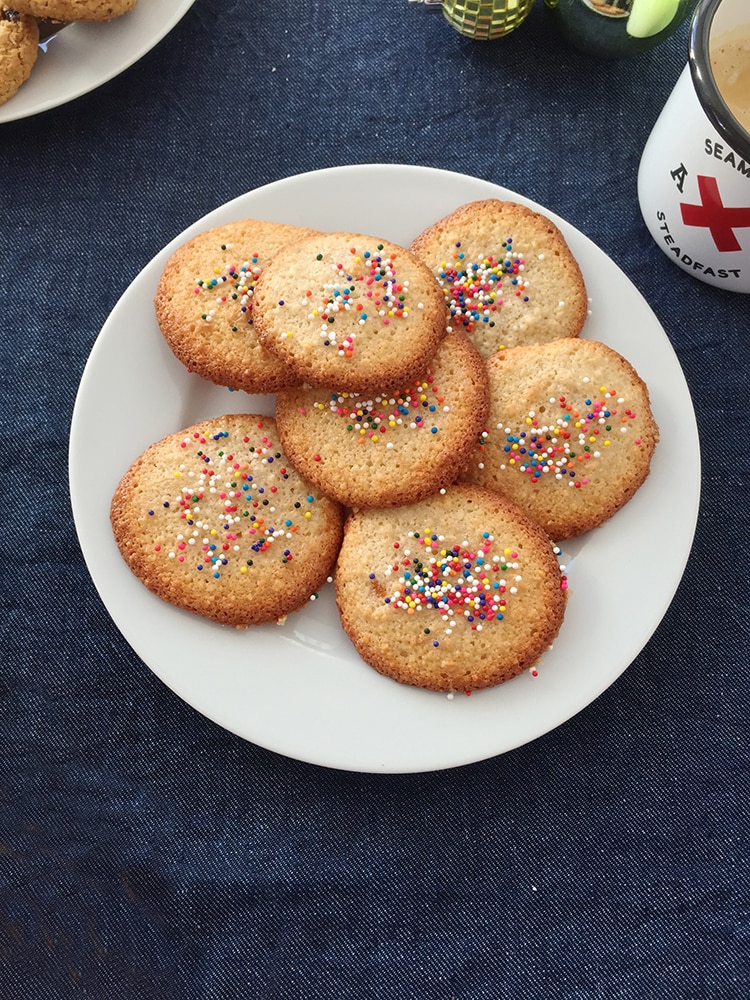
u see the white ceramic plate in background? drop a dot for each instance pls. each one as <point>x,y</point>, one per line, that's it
<point>86,55</point>
<point>300,689</point>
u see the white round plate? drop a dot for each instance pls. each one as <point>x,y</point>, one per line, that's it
<point>85,55</point>
<point>300,689</point>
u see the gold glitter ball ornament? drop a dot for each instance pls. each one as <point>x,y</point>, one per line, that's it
<point>483,20</point>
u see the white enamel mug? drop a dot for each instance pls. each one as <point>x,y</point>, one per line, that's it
<point>694,175</point>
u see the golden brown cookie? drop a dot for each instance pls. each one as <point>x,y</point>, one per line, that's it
<point>350,311</point>
<point>75,10</point>
<point>204,304</point>
<point>508,275</point>
<point>389,449</point>
<point>214,520</point>
<point>458,592</point>
<point>19,46</point>
<point>570,433</point>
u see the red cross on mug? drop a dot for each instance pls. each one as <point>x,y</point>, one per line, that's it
<point>721,220</point>
<point>694,175</point>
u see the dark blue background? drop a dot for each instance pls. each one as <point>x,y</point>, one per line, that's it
<point>144,852</point>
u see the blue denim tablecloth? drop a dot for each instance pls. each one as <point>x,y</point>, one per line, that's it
<point>147,853</point>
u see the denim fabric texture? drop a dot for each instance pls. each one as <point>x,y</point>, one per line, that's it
<point>147,853</point>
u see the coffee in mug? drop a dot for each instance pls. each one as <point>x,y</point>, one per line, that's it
<point>730,66</point>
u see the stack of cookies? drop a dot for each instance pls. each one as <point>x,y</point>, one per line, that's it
<point>19,46</point>
<point>439,428</point>
<point>23,23</point>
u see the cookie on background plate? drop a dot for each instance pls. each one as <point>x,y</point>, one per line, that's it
<point>75,10</point>
<point>459,592</point>
<point>508,275</point>
<point>351,311</point>
<point>204,304</point>
<point>390,449</point>
<point>570,434</point>
<point>214,520</point>
<point>19,47</point>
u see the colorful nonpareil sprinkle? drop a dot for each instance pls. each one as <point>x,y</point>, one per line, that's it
<point>365,289</point>
<point>559,439</point>
<point>457,584</point>
<point>371,418</point>
<point>230,283</point>
<point>475,290</point>
<point>224,510</point>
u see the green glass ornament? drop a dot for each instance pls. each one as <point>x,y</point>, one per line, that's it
<point>616,28</point>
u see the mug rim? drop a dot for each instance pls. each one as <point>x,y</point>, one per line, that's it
<point>714,105</point>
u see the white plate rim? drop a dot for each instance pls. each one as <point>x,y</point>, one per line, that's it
<point>409,730</point>
<point>86,55</point>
